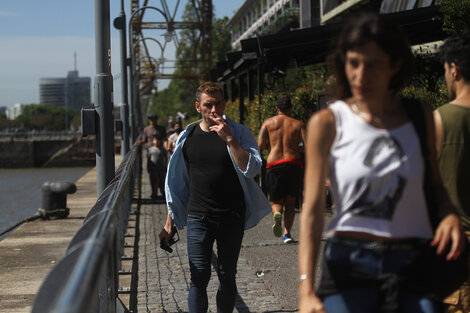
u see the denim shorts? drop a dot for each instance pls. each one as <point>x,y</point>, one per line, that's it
<point>393,268</point>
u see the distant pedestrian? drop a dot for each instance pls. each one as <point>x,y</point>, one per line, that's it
<point>150,131</point>
<point>157,166</point>
<point>283,137</point>
<point>452,133</point>
<point>210,188</point>
<point>171,141</point>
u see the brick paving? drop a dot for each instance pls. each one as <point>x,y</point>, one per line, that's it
<point>164,277</point>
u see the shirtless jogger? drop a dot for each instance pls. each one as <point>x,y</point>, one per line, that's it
<point>281,136</point>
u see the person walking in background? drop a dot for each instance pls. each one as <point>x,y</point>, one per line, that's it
<point>171,141</point>
<point>156,166</point>
<point>452,132</point>
<point>377,244</point>
<point>150,131</point>
<point>210,188</point>
<point>282,135</point>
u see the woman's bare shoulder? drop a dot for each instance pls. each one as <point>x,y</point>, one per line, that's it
<point>323,119</point>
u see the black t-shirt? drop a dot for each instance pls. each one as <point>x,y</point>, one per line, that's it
<point>214,188</point>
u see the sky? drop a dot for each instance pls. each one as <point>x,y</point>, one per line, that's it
<point>39,38</point>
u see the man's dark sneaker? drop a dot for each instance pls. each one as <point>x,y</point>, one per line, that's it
<point>287,238</point>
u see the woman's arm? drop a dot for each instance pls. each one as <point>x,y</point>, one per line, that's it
<point>320,136</point>
<point>449,228</point>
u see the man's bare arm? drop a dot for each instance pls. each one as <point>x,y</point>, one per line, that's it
<point>263,138</point>
<point>438,129</point>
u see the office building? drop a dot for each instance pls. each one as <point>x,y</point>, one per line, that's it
<point>71,92</point>
<point>14,111</point>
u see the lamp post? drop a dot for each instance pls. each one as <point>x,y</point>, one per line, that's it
<point>120,23</point>
<point>103,97</point>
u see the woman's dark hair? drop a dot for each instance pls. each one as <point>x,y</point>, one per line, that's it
<point>360,29</point>
<point>457,49</point>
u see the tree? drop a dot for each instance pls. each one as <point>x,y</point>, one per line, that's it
<point>455,15</point>
<point>221,37</point>
<point>46,117</point>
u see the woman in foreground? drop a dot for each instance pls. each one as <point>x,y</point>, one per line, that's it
<point>367,147</point>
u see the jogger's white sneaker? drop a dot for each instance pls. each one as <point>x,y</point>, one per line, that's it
<point>277,227</point>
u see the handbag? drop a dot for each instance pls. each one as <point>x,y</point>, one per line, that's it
<point>445,276</point>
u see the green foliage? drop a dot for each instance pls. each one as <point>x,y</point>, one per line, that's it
<point>433,98</point>
<point>46,117</point>
<point>456,13</point>
<point>6,123</point>
<point>428,83</point>
<point>303,105</point>
<point>221,39</point>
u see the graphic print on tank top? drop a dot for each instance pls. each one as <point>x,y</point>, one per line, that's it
<point>377,195</point>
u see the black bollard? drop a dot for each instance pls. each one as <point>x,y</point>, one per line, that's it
<point>54,198</point>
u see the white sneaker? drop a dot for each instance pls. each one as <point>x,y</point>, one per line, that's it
<point>277,227</point>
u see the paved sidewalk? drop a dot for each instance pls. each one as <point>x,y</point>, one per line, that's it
<point>266,278</point>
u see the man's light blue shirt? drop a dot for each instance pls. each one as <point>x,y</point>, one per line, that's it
<point>177,179</point>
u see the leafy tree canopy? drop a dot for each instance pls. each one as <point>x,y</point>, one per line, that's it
<point>456,15</point>
<point>46,117</point>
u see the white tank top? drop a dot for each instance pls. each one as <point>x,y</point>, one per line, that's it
<point>376,179</point>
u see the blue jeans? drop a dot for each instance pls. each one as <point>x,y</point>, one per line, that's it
<point>369,277</point>
<point>367,300</point>
<point>202,232</point>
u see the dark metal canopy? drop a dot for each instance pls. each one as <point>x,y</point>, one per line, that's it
<point>311,45</point>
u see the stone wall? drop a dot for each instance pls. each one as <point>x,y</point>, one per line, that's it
<point>31,152</point>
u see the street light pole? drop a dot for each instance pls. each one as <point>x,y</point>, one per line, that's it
<point>103,97</point>
<point>120,23</point>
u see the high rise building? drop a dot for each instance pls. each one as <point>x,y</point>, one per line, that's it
<point>71,91</point>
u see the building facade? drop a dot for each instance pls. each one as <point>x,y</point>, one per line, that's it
<point>333,10</point>
<point>71,92</point>
<point>14,111</point>
<point>265,17</point>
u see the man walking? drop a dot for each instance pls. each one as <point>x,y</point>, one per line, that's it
<point>281,135</point>
<point>452,126</point>
<point>153,130</point>
<point>210,188</point>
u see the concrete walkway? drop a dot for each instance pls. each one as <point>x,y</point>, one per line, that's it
<point>30,252</point>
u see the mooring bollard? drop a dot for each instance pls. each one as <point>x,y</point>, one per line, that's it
<point>54,198</point>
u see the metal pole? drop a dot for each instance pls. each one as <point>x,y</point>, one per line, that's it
<point>132,80</point>
<point>120,23</point>
<point>103,97</point>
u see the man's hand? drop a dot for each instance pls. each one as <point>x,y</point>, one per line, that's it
<point>165,234</point>
<point>449,229</point>
<point>220,126</point>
